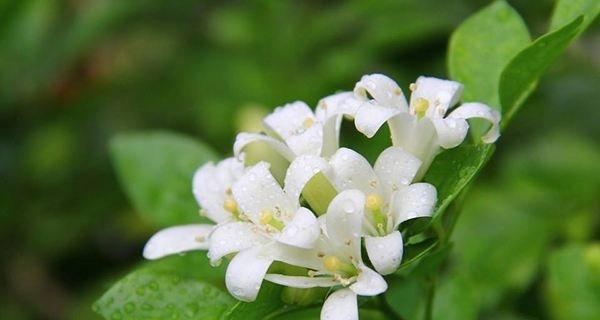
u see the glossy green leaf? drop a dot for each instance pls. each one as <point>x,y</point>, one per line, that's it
<point>573,282</point>
<point>453,170</point>
<point>567,10</point>
<point>267,304</point>
<point>520,77</point>
<point>156,169</point>
<point>482,46</point>
<point>165,290</point>
<point>407,296</point>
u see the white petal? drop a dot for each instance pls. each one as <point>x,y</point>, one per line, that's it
<point>384,91</point>
<point>232,237</point>
<point>246,272</point>
<point>243,139</point>
<point>302,231</point>
<point>353,171</point>
<point>368,282</point>
<point>396,168</point>
<point>301,282</point>
<point>340,305</point>
<point>371,116</point>
<point>257,191</point>
<point>286,120</point>
<point>331,135</point>
<point>209,191</point>
<point>344,222</point>
<point>450,131</point>
<point>295,124</point>
<point>414,201</point>
<point>295,256</point>
<point>300,171</point>
<point>177,240</point>
<point>479,110</point>
<point>343,103</point>
<point>441,95</point>
<point>385,252</point>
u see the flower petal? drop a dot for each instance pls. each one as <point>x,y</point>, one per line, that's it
<point>300,281</point>
<point>344,222</point>
<point>302,231</point>
<point>232,237</point>
<point>383,89</point>
<point>371,116</point>
<point>450,131</point>
<point>350,170</point>
<point>300,171</point>
<point>368,282</point>
<point>210,184</point>
<point>331,135</point>
<point>177,239</point>
<point>343,103</point>
<point>295,256</point>
<point>340,305</point>
<point>257,190</point>
<point>385,252</point>
<point>415,201</point>
<point>440,95</point>
<point>295,124</point>
<point>479,110</point>
<point>246,272</point>
<point>243,139</point>
<point>396,168</point>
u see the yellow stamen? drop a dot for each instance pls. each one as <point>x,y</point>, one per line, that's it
<point>334,264</point>
<point>420,106</point>
<point>373,202</point>
<point>412,87</point>
<point>308,122</point>
<point>230,205</point>
<point>267,219</point>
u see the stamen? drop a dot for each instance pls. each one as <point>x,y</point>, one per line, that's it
<point>335,265</point>
<point>420,106</point>
<point>412,87</point>
<point>308,122</point>
<point>267,219</point>
<point>230,205</point>
<point>373,202</point>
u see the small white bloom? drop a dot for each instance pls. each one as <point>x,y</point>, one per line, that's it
<point>212,188</point>
<point>336,259</point>
<point>294,130</point>
<point>422,126</point>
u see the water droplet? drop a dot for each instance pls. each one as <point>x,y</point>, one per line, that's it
<point>153,286</point>
<point>129,307</point>
<point>116,315</point>
<point>348,206</point>
<point>147,307</point>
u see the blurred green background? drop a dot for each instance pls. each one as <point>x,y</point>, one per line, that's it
<point>74,73</point>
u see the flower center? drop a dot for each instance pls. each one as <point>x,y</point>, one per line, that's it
<point>420,107</point>
<point>374,203</point>
<point>335,265</point>
<point>267,219</point>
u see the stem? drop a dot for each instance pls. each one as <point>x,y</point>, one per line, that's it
<point>430,297</point>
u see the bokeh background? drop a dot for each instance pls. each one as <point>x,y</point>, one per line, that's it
<point>74,73</point>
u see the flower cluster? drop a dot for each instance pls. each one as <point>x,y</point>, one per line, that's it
<point>331,201</point>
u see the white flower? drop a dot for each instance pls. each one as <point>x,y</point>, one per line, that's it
<point>294,130</point>
<point>391,197</point>
<point>422,126</point>
<point>336,260</point>
<point>212,189</point>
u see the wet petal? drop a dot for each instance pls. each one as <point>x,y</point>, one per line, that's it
<point>210,192</point>
<point>344,222</point>
<point>257,191</point>
<point>414,201</point>
<point>479,110</point>
<point>296,124</point>
<point>385,252</point>
<point>233,237</point>
<point>302,231</point>
<point>343,103</point>
<point>177,239</point>
<point>396,168</point>
<point>371,116</point>
<point>246,272</point>
<point>383,89</point>
<point>299,173</point>
<point>301,282</point>
<point>243,139</point>
<point>450,131</point>
<point>340,305</point>
<point>440,95</point>
<point>368,282</point>
<point>353,171</point>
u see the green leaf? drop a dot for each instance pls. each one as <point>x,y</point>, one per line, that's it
<point>567,10</point>
<point>482,46</point>
<point>165,290</point>
<point>156,169</point>
<point>407,297</point>
<point>453,170</point>
<point>573,282</point>
<point>267,304</point>
<point>520,77</point>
